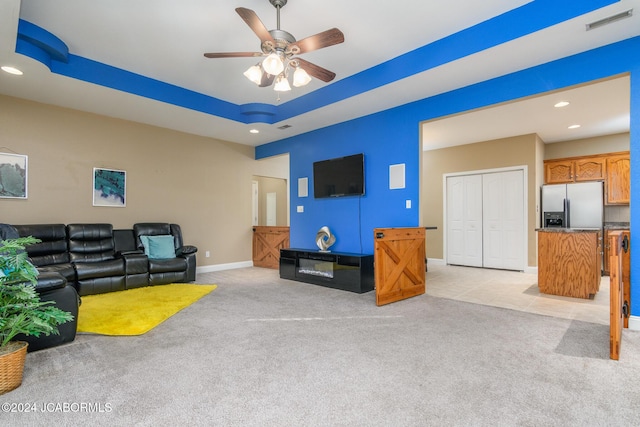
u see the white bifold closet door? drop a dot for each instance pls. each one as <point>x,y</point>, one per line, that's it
<point>485,220</point>
<point>503,220</point>
<point>464,220</point>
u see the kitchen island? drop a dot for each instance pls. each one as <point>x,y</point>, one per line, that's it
<point>569,261</point>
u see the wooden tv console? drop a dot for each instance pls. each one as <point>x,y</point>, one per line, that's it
<point>346,271</point>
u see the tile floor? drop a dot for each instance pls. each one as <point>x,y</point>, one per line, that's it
<point>514,290</point>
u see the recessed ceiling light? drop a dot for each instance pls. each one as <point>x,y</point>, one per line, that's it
<point>574,127</point>
<point>11,70</point>
<point>561,104</point>
<point>254,131</point>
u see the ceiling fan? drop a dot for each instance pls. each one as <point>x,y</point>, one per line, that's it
<point>280,49</point>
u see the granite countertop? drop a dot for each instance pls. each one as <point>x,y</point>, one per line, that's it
<point>568,230</point>
<point>616,225</point>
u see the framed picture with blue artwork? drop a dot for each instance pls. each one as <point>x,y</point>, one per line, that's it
<point>13,176</point>
<point>109,187</point>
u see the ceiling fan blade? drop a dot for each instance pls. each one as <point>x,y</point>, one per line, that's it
<point>252,20</point>
<point>267,80</point>
<point>233,54</point>
<point>316,71</point>
<point>320,40</point>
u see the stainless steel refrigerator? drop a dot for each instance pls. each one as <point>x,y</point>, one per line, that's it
<point>579,205</point>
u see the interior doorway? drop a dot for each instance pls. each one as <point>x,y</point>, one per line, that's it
<point>269,201</point>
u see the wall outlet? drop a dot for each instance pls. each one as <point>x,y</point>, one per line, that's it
<point>300,209</point>
<point>207,254</point>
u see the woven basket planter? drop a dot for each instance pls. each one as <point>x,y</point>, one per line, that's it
<point>12,366</point>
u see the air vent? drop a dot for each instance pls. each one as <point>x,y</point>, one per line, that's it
<point>610,19</point>
<point>283,127</point>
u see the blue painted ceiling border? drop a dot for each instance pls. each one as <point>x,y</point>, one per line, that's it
<point>45,47</point>
<point>511,25</point>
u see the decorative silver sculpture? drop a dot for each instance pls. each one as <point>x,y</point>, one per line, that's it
<point>324,239</point>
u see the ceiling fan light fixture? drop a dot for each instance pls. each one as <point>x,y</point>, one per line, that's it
<point>300,77</point>
<point>282,84</point>
<point>279,50</point>
<point>254,74</point>
<point>273,64</point>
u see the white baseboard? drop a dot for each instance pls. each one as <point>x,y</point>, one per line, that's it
<point>222,267</point>
<point>634,323</point>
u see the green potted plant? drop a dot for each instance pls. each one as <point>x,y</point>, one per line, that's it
<point>21,310</point>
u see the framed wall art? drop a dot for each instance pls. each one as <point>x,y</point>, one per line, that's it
<point>13,176</point>
<point>109,187</point>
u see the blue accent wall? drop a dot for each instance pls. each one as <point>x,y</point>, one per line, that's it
<point>392,137</point>
<point>352,219</point>
<point>635,183</point>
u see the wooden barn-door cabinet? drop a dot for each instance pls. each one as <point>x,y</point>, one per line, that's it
<point>267,242</point>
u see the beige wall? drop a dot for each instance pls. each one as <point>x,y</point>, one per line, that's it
<point>507,152</point>
<point>200,183</point>
<point>587,146</point>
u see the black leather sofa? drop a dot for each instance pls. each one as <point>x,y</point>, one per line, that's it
<point>95,258</point>
<point>83,259</point>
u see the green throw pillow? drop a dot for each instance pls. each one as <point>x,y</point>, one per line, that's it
<point>158,247</point>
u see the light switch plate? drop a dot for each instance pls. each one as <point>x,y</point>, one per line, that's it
<point>300,209</point>
<point>408,204</point>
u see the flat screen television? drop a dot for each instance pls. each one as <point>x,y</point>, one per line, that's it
<point>342,176</point>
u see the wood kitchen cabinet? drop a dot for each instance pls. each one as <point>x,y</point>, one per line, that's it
<point>569,262</point>
<point>590,169</point>
<point>575,170</point>
<point>558,171</point>
<point>618,180</point>
<point>612,168</point>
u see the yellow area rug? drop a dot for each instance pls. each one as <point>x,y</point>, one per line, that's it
<point>136,311</point>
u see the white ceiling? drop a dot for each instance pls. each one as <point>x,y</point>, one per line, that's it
<point>165,40</point>
<point>600,109</point>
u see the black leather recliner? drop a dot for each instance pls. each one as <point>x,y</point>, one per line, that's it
<point>91,250</point>
<point>51,286</point>
<point>52,254</point>
<point>181,268</point>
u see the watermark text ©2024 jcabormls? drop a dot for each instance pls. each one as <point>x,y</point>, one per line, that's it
<point>80,407</point>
